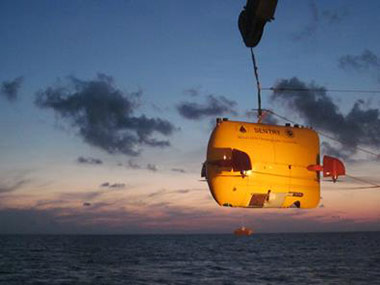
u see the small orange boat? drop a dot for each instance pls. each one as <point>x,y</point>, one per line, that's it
<point>243,231</point>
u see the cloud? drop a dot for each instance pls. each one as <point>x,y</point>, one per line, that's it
<point>113,186</point>
<point>68,198</point>
<point>133,165</point>
<point>151,167</point>
<point>72,196</point>
<point>7,187</point>
<point>163,192</point>
<point>214,106</point>
<point>367,62</point>
<point>182,191</point>
<point>360,126</point>
<point>317,19</point>
<point>104,116</point>
<point>89,160</point>
<point>117,185</point>
<point>162,216</point>
<point>157,193</point>
<point>192,92</point>
<point>310,29</point>
<point>9,89</point>
<point>180,170</point>
<point>95,220</point>
<point>336,151</point>
<point>333,16</point>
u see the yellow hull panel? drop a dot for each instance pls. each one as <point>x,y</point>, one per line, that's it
<point>278,175</point>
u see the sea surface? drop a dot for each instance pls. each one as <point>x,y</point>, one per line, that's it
<point>312,258</point>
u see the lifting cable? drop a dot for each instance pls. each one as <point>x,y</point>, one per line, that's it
<point>258,86</point>
<point>322,89</point>
<point>374,185</point>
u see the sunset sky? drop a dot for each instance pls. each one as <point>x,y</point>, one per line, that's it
<point>106,108</point>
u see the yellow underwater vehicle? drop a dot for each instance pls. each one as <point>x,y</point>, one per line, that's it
<point>254,165</point>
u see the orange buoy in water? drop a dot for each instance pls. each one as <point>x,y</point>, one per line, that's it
<point>243,231</point>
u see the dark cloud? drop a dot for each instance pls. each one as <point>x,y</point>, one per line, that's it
<point>151,167</point>
<point>89,160</point>
<point>117,185</point>
<point>333,16</point>
<point>367,62</point>
<point>214,106</point>
<point>360,126</point>
<point>72,196</point>
<point>99,218</point>
<point>113,186</point>
<point>6,187</point>
<point>9,89</point>
<point>337,150</point>
<point>133,165</point>
<point>67,198</point>
<point>310,29</point>
<point>104,115</point>
<point>182,191</point>
<point>163,192</point>
<point>180,170</point>
<point>193,92</point>
<point>157,193</point>
<point>50,203</point>
<point>317,19</point>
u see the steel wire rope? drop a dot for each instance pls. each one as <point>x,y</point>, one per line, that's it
<point>321,89</point>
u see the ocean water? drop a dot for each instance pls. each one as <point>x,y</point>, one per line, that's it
<point>313,258</point>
